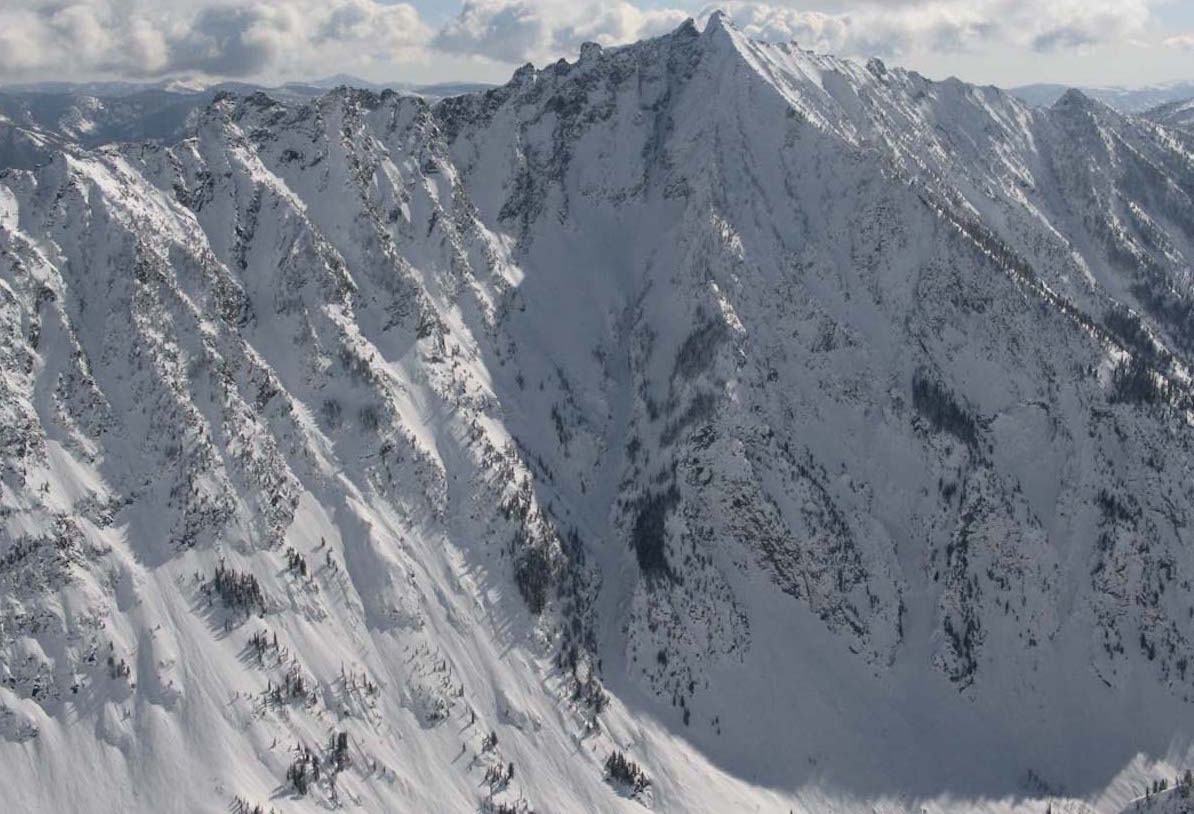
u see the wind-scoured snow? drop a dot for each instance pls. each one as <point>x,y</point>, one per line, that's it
<point>813,435</point>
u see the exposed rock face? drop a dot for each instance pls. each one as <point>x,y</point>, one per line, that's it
<point>696,400</point>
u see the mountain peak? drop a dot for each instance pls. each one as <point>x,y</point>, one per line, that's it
<point>589,51</point>
<point>686,29</point>
<point>1075,102</point>
<point>1073,98</point>
<point>719,27</point>
<point>718,19</point>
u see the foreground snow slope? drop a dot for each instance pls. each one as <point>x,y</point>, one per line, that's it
<point>814,434</point>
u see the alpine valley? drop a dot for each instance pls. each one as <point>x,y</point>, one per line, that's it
<point>703,425</point>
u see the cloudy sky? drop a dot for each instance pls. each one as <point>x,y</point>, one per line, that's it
<point>1006,42</point>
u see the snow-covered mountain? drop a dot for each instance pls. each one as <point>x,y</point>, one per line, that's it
<point>702,425</point>
<point>1178,114</point>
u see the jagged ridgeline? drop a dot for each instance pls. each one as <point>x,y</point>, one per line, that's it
<point>698,425</point>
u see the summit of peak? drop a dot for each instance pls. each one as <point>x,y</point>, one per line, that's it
<point>1073,98</point>
<point>686,29</point>
<point>718,25</point>
<point>1076,100</point>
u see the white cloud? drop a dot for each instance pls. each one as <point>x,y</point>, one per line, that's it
<point>1184,42</point>
<point>895,28</point>
<point>541,30</point>
<point>141,38</point>
<point>42,39</point>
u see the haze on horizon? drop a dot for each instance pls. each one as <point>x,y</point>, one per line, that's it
<point>1004,42</point>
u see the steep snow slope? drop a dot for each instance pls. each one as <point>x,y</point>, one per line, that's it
<point>814,434</point>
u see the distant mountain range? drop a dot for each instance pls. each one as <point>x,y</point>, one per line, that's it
<point>194,85</point>
<point>1174,114</point>
<point>1044,94</point>
<point>1127,100</point>
<point>95,113</point>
